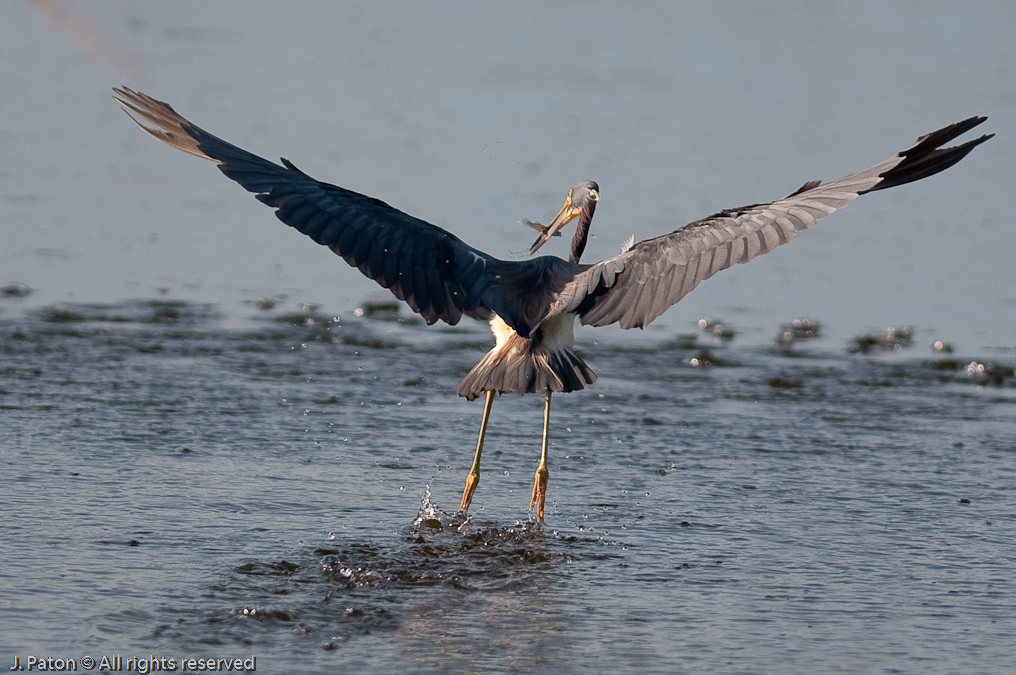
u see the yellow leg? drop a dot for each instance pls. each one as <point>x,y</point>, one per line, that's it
<point>473,479</point>
<point>542,474</point>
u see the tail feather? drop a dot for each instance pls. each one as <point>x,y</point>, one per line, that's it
<point>519,366</point>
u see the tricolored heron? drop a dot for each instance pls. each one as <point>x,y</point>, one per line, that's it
<point>532,304</point>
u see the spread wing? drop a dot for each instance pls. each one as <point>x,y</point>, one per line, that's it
<point>439,276</point>
<point>637,286</point>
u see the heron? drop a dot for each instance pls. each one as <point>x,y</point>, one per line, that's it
<point>532,304</point>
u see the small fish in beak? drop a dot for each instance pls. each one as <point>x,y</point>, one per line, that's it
<point>572,208</point>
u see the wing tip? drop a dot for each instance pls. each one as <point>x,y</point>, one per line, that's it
<point>926,157</point>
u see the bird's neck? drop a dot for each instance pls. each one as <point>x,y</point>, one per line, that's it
<point>578,244</point>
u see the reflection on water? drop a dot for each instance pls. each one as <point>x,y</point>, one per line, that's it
<point>259,489</point>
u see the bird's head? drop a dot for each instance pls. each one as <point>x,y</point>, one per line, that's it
<point>581,200</point>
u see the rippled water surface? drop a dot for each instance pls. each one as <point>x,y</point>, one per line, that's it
<point>281,489</point>
<point>205,452</point>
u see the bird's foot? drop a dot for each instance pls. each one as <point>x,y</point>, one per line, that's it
<point>539,492</point>
<point>472,480</point>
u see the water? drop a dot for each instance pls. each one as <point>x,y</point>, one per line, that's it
<point>476,117</point>
<point>189,472</point>
<point>177,488</point>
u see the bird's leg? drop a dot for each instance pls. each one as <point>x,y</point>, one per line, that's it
<point>473,479</point>
<point>540,484</point>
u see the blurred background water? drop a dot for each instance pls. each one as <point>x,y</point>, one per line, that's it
<point>189,469</point>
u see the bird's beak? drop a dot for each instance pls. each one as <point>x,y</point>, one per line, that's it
<point>567,214</point>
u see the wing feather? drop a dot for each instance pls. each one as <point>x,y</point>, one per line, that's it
<point>438,275</point>
<point>637,286</point>
<point>442,278</point>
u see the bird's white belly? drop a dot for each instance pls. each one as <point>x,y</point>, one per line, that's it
<point>556,333</point>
